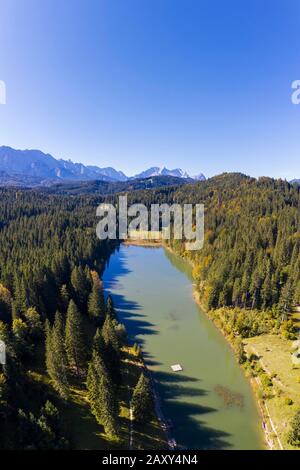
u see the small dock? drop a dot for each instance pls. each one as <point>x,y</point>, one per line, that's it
<point>176,368</point>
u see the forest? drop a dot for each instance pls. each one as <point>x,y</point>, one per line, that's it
<point>60,329</point>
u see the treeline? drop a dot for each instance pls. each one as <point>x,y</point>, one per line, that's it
<point>54,320</point>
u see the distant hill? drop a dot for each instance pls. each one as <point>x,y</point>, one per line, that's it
<point>34,168</point>
<point>112,187</point>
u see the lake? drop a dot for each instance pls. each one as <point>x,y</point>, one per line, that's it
<point>210,402</point>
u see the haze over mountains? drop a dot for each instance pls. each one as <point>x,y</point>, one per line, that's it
<point>33,167</point>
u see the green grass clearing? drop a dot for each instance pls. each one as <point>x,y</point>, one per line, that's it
<point>274,355</point>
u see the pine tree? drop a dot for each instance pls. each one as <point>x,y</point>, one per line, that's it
<point>96,305</point>
<point>102,396</point>
<point>294,434</point>
<point>110,309</point>
<point>20,297</point>
<point>110,335</point>
<point>142,402</point>
<point>266,292</point>
<point>56,360</point>
<point>64,298</point>
<point>285,301</point>
<point>99,344</point>
<point>112,349</point>
<point>81,282</point>
<point>74,338</point>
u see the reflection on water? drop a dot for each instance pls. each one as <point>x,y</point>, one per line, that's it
<point>209,402</point>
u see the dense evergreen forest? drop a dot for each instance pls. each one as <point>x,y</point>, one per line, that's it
<point>60,331</point>
<point>55,317</point>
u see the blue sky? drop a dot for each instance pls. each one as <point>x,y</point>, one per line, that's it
<point>196,84</point>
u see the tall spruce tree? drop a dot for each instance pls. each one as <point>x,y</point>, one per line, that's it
<point>142,402</point>
<point>96,305</point>
<point>110,335</point>
<point>56,360</point>
<point>112,349</point>
<point>64,298</point>
<point>81,282</point>
<point>74,338</point>
<point>110,309</point>
<point>99,344</point>
<point>102,396</point>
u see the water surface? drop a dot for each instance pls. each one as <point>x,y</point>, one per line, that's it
<point>152,290</point>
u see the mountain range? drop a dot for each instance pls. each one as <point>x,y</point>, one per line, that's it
<point>33,167</point>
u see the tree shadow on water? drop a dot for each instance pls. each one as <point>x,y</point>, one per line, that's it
<point>129,313</point>
<point>180,396</point>
<point>116,267</point>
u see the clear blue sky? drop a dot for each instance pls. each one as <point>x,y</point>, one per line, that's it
<point>200,84</point>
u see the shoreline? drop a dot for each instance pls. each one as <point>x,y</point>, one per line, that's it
<point>144,243</point>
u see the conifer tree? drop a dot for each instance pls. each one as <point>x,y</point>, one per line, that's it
<point>102,396</point>
<point>109,334</point>
<point>285,301</point>
<point>96,305</point>
<point>99,344</point>
<point>81,282</point>
<point>56,360</point>
<point>294,434</point>
<point>20,297</point>
<point>49,356</point>
<point>112,349</point>
<point>142,402</point>
<point>64,298</point>
<point>74,338</point>
<point>110,309</point>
